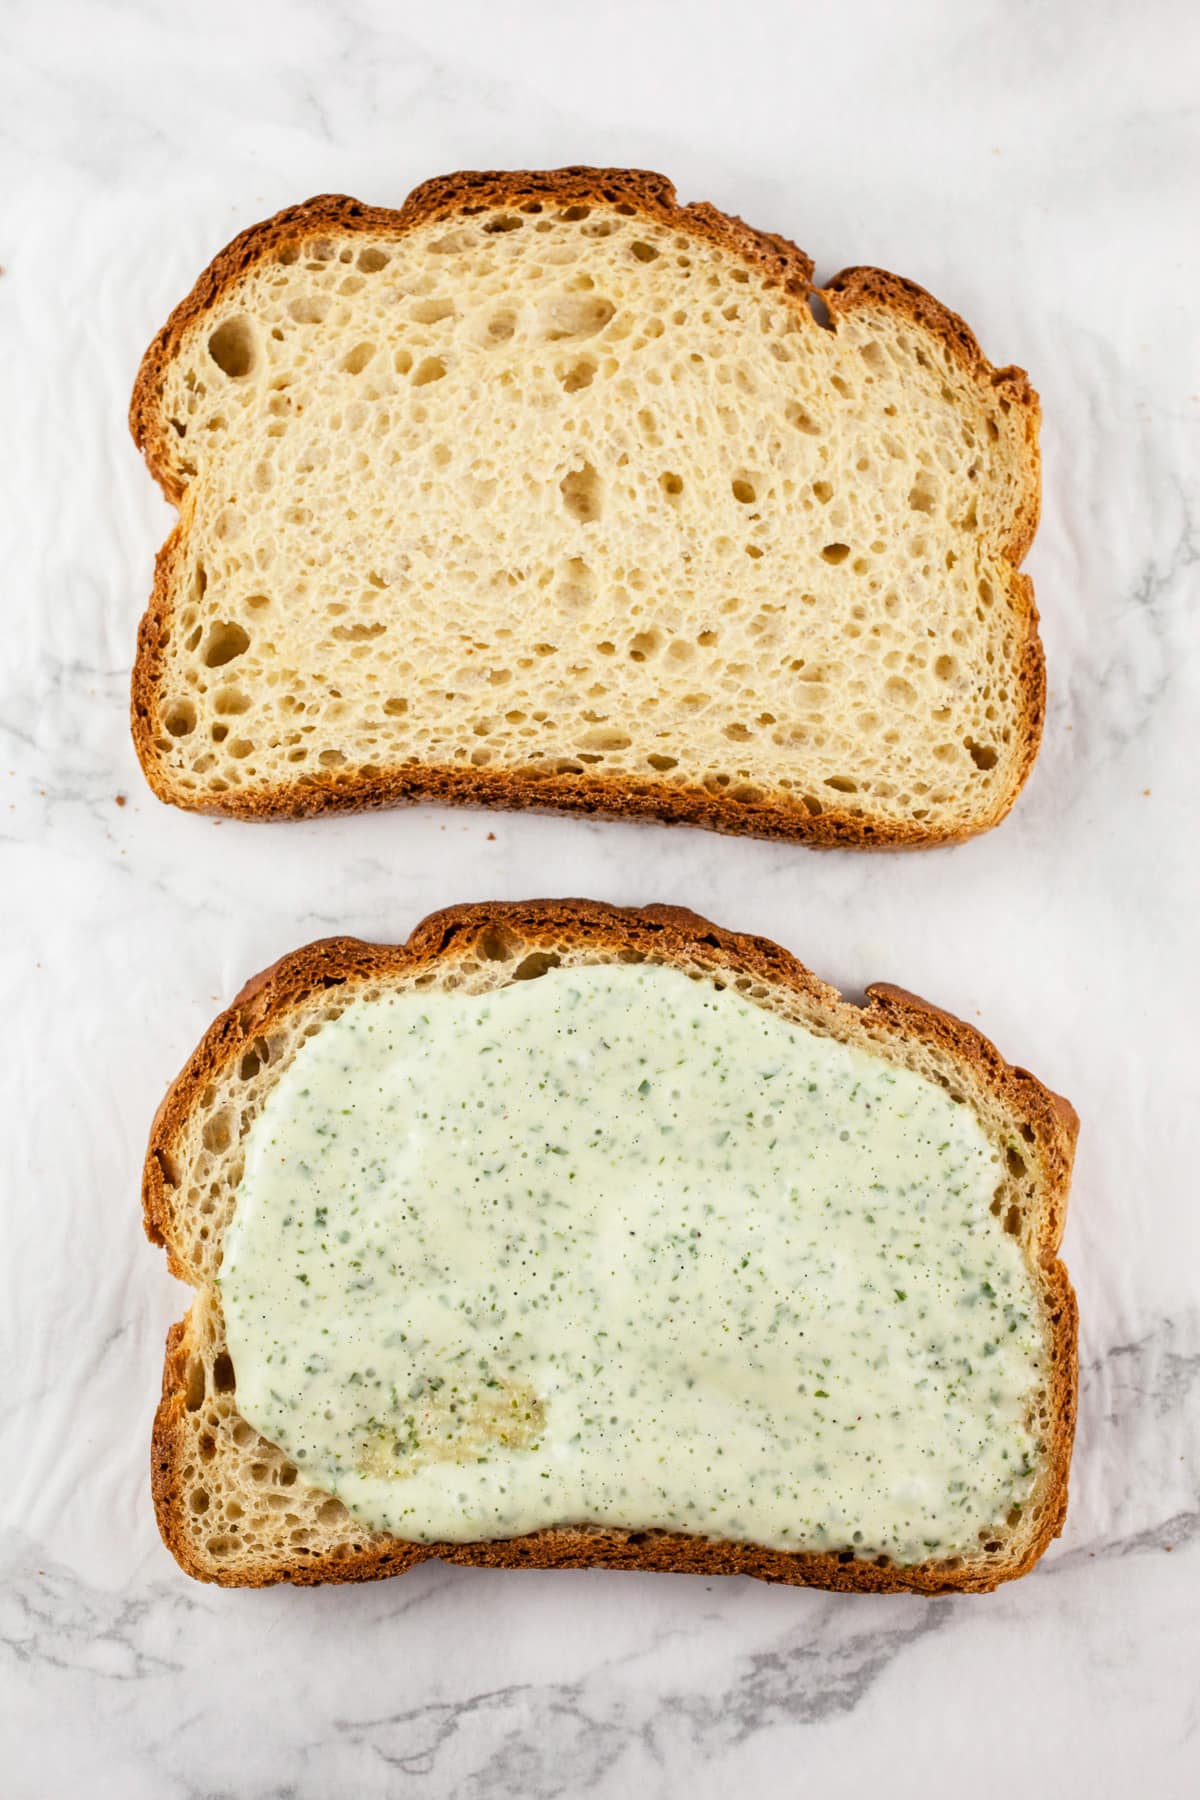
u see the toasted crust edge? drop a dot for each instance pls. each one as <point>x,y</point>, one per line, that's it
<point>1048,1122</point>
<point>652,196</point>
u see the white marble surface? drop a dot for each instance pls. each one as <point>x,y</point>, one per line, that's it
<point>1037,166</point>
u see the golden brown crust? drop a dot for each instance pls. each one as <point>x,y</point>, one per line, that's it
<point>1047,1122</point>
<point>781,264</point>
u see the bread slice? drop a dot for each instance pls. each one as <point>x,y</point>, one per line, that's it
<point>233,1509</point>
<point>547,491</point>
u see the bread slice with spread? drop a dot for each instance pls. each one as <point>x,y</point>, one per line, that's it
<point>564,1235</point>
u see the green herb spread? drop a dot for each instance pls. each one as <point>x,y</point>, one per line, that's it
<point>618,1246</point>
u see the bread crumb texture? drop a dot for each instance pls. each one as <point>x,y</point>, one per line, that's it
<point>233,1508</point>
<point>589,503</point>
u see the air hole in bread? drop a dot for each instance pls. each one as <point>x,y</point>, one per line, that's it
<point>982,755</point>
<point>180,718</point>
<point>168,1167</point>
<point>835,553</point>
<point>260,1052</point>
<point>576,588</point>
<point>801,419</point>
<point>744,491</point>
<point>230,701</point>
<point>606,737</point>
<point>580,375</point>
<point>226,639</point>
<point>581,492</point>
<point>574,316</point>
<point>195,1387</point>
<point>431,369</point>
<point>309,309</point>
<point>500,326</point>
<point>494,944</point>
<point>359,633</point>
<point>642,645</point>
<point>535,964</point>
<point>217,1134</point>
<point>233,348</point>
<point>899,692</point>
<point>356,360</point>
<point>432,312</point>
<point>819,310</point>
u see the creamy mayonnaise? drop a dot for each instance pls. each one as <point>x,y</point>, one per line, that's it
<point>618,1246</point>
